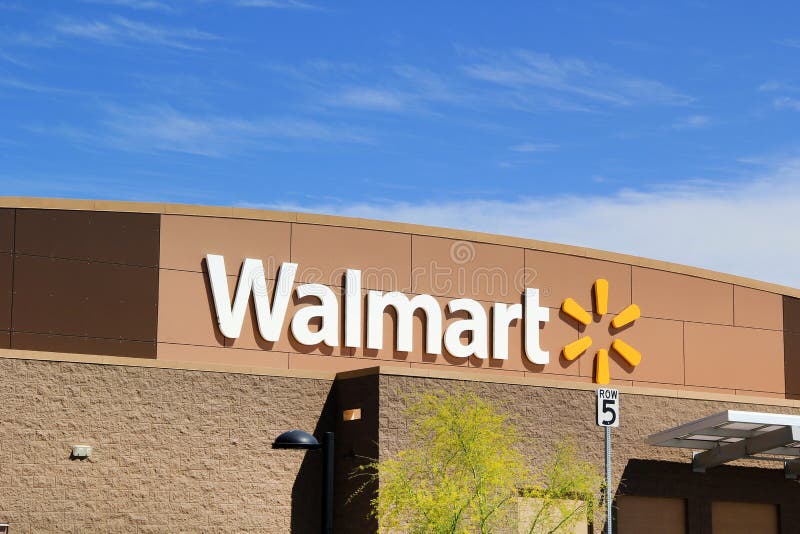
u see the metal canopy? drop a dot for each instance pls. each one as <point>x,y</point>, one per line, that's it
<point>733,435</point>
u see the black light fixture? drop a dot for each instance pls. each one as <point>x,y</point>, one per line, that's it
<point>298,439</point>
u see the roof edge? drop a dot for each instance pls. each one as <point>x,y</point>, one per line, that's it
<point>406,228</point>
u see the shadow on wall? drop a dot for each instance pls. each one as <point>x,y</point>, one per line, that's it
<point>791,346</point>
<point>734,484</point>
<point>307,488</point>
<point>356,443</point>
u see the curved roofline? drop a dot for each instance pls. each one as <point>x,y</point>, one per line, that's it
<point>406,228</point>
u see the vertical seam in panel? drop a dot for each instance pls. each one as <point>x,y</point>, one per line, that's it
<point>733,305</point>
<point>13,269</point>
<point>785,352</point>
<point>524,269</point>
<point>631,278</point>
<point>158,282</point>
<point>683,349</point>
<point>411,261</point>
<point>291,238</point>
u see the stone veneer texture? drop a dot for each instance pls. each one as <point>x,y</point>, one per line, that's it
<point>184,450</point>
<point>546,416</point>
<point>173,450</point>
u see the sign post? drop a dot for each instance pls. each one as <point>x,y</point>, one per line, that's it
<point>608,416</point>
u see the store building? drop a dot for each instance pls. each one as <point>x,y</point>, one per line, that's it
<point>178,341</point>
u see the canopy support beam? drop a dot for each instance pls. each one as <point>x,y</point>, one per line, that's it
<point>791,469</point>
<point>747,447</point>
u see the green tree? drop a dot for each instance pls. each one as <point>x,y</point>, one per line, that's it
<point>564,492</point>
<point>459,473</point>
<point>462,473</point>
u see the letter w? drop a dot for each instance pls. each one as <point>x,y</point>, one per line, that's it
<point>251,280</point>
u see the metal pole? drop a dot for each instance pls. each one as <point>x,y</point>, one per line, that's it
<point>327,483</point>
<point>609,526</point>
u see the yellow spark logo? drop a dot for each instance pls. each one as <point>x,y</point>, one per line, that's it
<point>625,317</point>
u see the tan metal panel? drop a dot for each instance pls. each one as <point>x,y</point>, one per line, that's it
<point>743,518</point>
<point>222,355</point>
<point>757,309</point>
<point>653,515</point>
<point>661,344</point>
<point>186,310</point>
<point>454,268</point>
<point>324,252</point>
<point>318,362</point>
<point>558,276</point>
<point>185,241</point>
<point>666,295</point>
<point>731,357</point>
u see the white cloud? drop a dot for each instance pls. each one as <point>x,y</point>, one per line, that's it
<point>534,147</point>
<point>486,80</point>
<point>569,78</point>
<point>692,122</point>
<point>134,4</point>
<point>407,88</point>
<point>169,7</point>
<point>432,86</point>
<point>126,184</point>
<point>165,129</point>
<point>791,42</point>
<point>771,85</point>
<point>739,228</point>
<point>14,83</point>
<point>14,60</point>
<point>371,99</point>
<point>786,102</point>
<point>28,39</point>
<point>121,30</point>
<point>276,4</point>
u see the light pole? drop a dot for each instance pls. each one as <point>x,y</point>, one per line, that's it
<point>297,439</point>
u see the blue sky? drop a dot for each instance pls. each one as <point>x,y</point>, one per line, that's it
<point>667,130</point>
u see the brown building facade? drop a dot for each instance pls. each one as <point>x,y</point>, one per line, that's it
<point>113,334</point>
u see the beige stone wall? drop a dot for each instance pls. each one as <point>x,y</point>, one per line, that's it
<point>546,416</point>
<point>189,450</point>
<point>173,450</point>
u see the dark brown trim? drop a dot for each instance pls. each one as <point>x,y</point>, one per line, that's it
<point>85,282</point>
<point>791,346</point>
<point>653,478</point>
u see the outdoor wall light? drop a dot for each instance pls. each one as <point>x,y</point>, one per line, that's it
<point>297,439</point>
<point>351,415</point>
<point>79,452</point>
